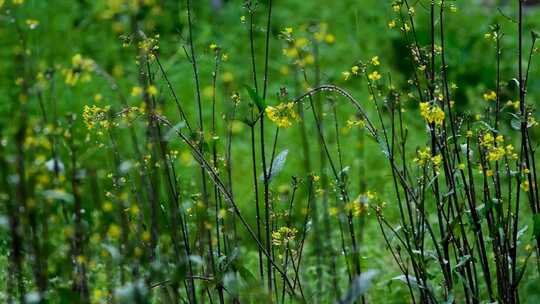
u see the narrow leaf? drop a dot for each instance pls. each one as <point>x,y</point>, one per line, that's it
<point>359,286</point>
<point>261,104</point>
<point>277,165</point>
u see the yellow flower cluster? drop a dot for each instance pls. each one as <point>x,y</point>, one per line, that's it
<point>374,76</point>
<point>361,204</point>
<point>283,235</point>
<point>298,49</point>
<point>323,35</point>
<point>80,70</point>
<point>490,96</point>
<point>361,68</point>
<point>525,186</point>
<point>355,123</point>
<point>283,114</point>
<point>93,115</point>
<point>424,157</point>
<point>150,46</point>
<point>513,104</point>
<point>114,232</point>
<point>495,150</point>
<point>129,114</point>
<point>432,113</point>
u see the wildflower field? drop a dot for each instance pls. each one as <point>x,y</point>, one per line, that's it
<point>269,151</point>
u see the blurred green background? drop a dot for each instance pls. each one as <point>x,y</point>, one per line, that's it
<point>56,30</point>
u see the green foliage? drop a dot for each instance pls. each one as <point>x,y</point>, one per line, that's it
<point>133,171</point>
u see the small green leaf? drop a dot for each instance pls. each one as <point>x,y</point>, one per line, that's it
<point>462,261</point>
<point>131,292</point>
<point>277,165</point>
<point>359,286</point>
<point>245,274</point>
<point>115,254</point>
<point>261,104</point>
<point>535,35</point>
<point>407,279</point>
<point>172,132</point>
<point>60,195</point>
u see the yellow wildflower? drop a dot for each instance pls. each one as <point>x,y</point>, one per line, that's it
<point>32,23</point>
<point>228,77</point>
<point>360,205</point>
<point>329,38</point>
<point>114,231</point>
<point>283,236</point>
<point>424,157</point>
<point>496,154</point>
<point>525,186</point>
<point>432,113</point>
<point>437,159</point>
<point>487,140</point>
<point>136,91</point>
<point>490,96</point>
<point>107,206</point>
<point>353,123</point>
<point>79,71</point>
<point>282,114</point>
<point>514,104</point>
<point>406,27</point>
<point>152,90</point>
<point>93,115</point>
<point>374,76</point>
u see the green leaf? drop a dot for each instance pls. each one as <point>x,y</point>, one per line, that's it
<point>359,286</point>
<point>115,254</point>
<point>231,283</point>
<point>131,292</point>
<point>535,35</point>
<point>462,261</point>
<point>60,195</point>
<point>261,104</point>
<point>245,274</point>
<point>172,132</point>
<point>407,279</point>
<point>277,165</point>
